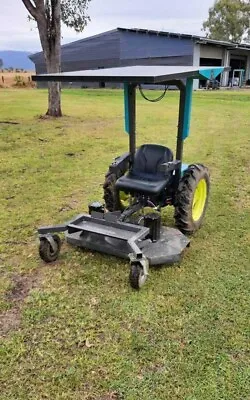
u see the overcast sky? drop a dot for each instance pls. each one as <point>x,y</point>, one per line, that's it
<point>17,33</point>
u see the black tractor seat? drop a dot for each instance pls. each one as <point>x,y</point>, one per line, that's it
<point>146,175</point>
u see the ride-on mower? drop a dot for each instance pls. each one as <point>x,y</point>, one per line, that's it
<point>140,182</point>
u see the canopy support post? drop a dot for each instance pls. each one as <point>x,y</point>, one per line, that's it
<point>130,116</point>
<point>185,106</point>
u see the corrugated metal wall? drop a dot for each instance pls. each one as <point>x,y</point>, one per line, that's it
<point>141,45</point>
<point>93,52</point>
<point>181,60</point>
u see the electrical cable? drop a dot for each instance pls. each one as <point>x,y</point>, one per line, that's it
<point>153,100</point>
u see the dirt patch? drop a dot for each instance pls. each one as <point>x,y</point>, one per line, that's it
<point>71,205</point>
<point>9,122</point>
<point>109,396</point>
<point>22,284</point>
<point>113,396</point>
<point>9,321</point>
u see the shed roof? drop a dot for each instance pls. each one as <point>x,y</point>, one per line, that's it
<point>135,74</point>
<point>197,38</point>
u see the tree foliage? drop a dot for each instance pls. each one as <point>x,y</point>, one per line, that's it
<point>229,20</point>
<point>74,14</point>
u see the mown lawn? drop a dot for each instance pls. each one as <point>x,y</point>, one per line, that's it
<point>75,329</point>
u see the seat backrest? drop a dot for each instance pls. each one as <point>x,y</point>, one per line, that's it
<point>148,159</point>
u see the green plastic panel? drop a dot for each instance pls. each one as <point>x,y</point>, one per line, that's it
<point>188,108</point>
<point>211,73</point>
<point>184,167</point>
<point>126,107</point>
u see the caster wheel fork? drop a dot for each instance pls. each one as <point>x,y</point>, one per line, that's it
<point>138,273</point>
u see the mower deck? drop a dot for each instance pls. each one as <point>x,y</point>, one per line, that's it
<point>167,250</point>
<point>106,234</point>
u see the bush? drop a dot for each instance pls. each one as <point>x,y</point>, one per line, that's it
<point>19,81</point>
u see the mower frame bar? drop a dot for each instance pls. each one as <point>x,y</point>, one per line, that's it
<point>100,224</point>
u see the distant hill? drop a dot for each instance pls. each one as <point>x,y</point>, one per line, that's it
<point>16,59</point>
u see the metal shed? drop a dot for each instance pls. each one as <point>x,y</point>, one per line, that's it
<point>127,47</point>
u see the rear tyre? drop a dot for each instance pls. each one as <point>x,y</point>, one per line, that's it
<point>192,198</point>
<point>115,200</point>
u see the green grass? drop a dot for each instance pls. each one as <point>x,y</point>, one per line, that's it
<point>75,329</point>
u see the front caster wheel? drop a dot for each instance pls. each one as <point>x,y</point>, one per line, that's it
<point>49,248</point>
<point>137,277</point>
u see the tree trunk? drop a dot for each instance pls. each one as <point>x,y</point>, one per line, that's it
<point>54,60</point>
<point>54,100</point>
<point>54,92</point>
<point>48,15</point>
<point>49,27</point>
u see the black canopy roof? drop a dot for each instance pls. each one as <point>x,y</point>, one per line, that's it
<point>135,74</point>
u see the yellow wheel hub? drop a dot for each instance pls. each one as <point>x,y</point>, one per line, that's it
<point>199,200</point>
<point>124,199</point>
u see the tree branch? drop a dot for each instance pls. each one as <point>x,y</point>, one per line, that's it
<point>32,10</point>
<point>39,4</point>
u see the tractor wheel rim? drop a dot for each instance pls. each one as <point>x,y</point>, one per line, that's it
<point>199,200</point>
<point>124,199</point>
